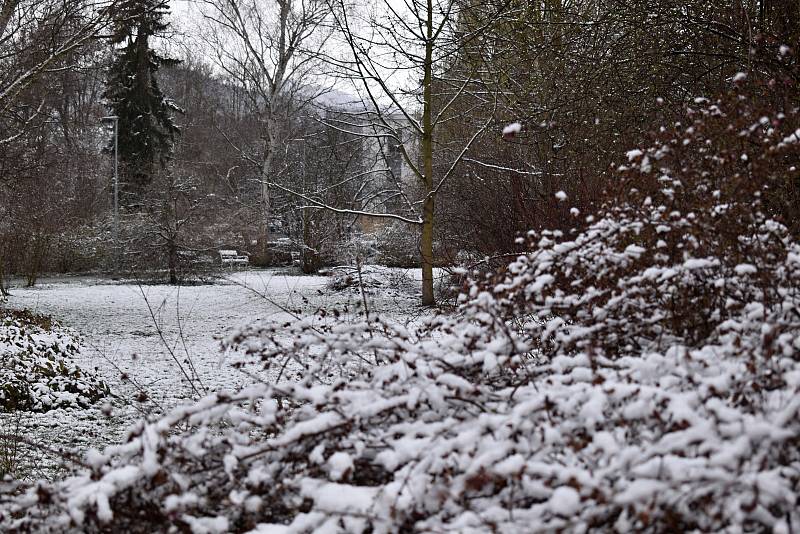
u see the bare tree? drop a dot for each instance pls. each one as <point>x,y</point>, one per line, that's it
<point>271,48</point>
<point>396,52</point>
<point>48,126</point>
<point>321,161</point>
<point>36,34</point>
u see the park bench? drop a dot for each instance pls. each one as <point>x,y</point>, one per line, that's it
<point>232,258</point>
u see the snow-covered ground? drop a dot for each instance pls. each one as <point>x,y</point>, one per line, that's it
<point>144,340</point>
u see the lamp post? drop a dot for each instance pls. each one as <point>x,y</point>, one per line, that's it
<point>115,120</point>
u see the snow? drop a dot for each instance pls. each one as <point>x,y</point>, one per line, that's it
<point>745,268</point>
<point>565,501</point>
<point>339,464</point>
<point>698,263</point>
<point>512,129</point>
<point>634,251</point>
<point>122,340</point>
<point>794,137</point>
<point>339,498</point>
<point>640,490</point>
<point>207,525</point>
<point>633,154</point>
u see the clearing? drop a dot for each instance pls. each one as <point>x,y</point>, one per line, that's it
<point>146,341</point>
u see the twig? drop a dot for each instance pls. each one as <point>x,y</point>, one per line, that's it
<point>166,345</point>
<point>64,455</point>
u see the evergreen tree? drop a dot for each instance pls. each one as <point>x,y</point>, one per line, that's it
<point>146,127</point>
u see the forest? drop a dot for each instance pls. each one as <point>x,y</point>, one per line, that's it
<point>293,266</point>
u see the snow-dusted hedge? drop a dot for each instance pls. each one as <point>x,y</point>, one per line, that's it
<point>37,367</point>
<point>372,279</point>
<point>642,374</point>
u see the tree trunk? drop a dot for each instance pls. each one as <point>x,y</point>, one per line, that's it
<point>271,147</point>
<point>3,289</point>
<point>309,260</point>
<point>426,252</point>
<point>426,244</point>
<point>265,201</point>
<point>172,261</point>
<point>39,248</point>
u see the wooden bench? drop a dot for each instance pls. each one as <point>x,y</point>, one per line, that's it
<point>231,257</point>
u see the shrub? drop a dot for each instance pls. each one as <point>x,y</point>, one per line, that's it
<point>398,245</point>
<point>37,368</point>
<point>374,279</point>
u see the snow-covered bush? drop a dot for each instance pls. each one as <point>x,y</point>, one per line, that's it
<point>398,245</point>
<point>640,375</point>
<point>372,278</point>
<point>37,367</point>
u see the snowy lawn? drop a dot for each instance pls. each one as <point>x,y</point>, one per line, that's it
<point>158,346</point>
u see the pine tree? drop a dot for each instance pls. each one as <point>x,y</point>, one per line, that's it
<point>146,127</point>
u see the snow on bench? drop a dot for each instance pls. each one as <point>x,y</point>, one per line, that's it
<point>231,257</point>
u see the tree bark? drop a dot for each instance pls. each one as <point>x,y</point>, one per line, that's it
<point>38,247</point>
<point>266,167</point>
<point>3,289</point>
<point>426,251</point>
<point>271,147</point>
<point>173,264</point>
<point>309,259</point>
<point>426,243</point>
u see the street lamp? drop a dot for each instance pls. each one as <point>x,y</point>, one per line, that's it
<point>115,120</point>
